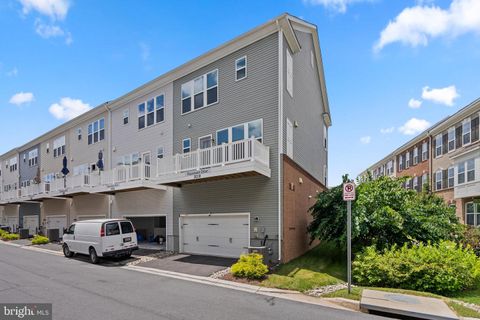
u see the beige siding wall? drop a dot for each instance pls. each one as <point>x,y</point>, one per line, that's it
<point>55,207</point>
<point>11,210</point>
<point>89,205</point>
<point>7,176</point>
<point>50,164</point>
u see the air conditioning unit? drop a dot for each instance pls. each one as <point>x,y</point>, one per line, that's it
<point>53,234</point>
<point>24,233</point>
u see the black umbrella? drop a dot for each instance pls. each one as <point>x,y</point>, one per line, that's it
<point>65,170</point>
<point>100,161</point>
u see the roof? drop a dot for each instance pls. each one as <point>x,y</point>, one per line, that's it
<point>285,22</point>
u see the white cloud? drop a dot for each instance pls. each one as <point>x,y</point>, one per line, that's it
<point>68,108</point>
<point>144,51</point>
<point>55,9</point>
<point>52,31</point>
<point>444,96</point>
<point>387,130</point>
<point>365,140</point>
<point>418,24</point>
<point>335,5</point>
<point>414,103</point>
<point>414,126</point>
<point>13,72</point>
<point>21,98</point>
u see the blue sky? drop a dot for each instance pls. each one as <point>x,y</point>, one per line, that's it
<point>392,66</point>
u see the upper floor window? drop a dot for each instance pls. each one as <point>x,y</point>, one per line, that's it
<point>79,134</point>
<point>186,145</point>
<point>154,112</point>
<point>415,156</point>
<point>415,183</point>
<point>160,153</point>
<point>400,162</point>
<point>424,151</point>
<point>125,116</point>
<point>33,157</point>
<point>241,68</point>
<point>470,170</point>
<point>253,129</point>
<point>466,171</point>
<point>451,139</point>
<point>129,159</point>
<point>59,147</point>
<point>451,177</point>
<point>289,73</point>
<point>96,131</point>
<point>424,179</point>
<point>390,167</point>
<point>200,92</point>
<point>438,180</point>
<point>466,131</point>
<point>13,164</point>
<point>438,145</point>
<point>407,160</point>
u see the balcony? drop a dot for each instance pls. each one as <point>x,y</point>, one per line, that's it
<point>240,158</point>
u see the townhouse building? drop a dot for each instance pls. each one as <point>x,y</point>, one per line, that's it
<point>224,153</point>
<point>447,157</point>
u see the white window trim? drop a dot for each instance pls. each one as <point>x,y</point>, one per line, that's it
<point>407,160</point>
<point>126,115</point>
<point>424,152</point>
<point>192,95</point>
<point>438,146</point>
<point>450,169</point>
<point>451,130</point>
<point>464,133</point>
<point>206,136</point>
<point>183,145</point>
<point>93,131</point>
<point>155,108</point>
<point>238,69</point>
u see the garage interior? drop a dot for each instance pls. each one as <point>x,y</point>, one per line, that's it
<point>151,231</point>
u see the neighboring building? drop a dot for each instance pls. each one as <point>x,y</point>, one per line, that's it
<point>29,174</point>
<point>451,148</point>
<point>221,154</point>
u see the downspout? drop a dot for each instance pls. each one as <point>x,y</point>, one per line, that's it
<point>280,138</point>
<point>109,153</point>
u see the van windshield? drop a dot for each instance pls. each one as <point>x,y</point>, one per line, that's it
<point>126,227</point>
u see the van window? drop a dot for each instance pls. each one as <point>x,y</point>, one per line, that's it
<point>71,229</point>
<point>112,229</point>
<point>126,227</point>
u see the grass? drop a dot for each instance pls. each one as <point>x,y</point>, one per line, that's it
<point>321,266</point>
<point>470,296</point>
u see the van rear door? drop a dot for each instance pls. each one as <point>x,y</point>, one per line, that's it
<point>129,236</point>
<point>113,238</point>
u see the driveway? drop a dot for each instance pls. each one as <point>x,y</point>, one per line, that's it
<point>196,265</point>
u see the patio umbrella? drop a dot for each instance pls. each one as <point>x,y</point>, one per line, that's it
<point>37,178</point>
<point>65,170</point>
<point>100,161</point>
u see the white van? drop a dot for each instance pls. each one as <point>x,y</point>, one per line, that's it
<point>100,238</point>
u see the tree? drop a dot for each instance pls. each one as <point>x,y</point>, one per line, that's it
<point>385,213</point>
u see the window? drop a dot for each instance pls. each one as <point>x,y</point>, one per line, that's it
<point>81,169</point>
<point>407,160</point>
<point>466,131</point>
<point>33,157</point>
<point>451,139</point>
<point>438,145</point>
<point>407,183</point>
<point>202,90</point>
<point>150,112</point>
<point>79,134</point>
<point>415,183</point>
<point>240,68</point>
<point>112,229</point>
<point>159,108</point>
<point>126,226</point>
<point>451,177</point>
<point>141,115</point>
<point>470,170</point>
<point>13,164</point>
<point>472,214</point>
<point>461,173</point>
<point>59,147</point>
<point>438,180</point>
<point>252,129</point>
<point>400,162</point>
<point>96,131</point>
<point>160,153</point>
<point>390,167</point>
<point>289,73</point>
<point>129,159</point>
<point>71,229</point>
<point>205,142</point>
<point>425,179</point>
<point>415,156</point>
<point>424,151</point>
<point>186,145</point>
<point>126,113</point>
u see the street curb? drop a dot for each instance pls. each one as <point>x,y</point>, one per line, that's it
<point>271,292</point>
<point>10,244</point>
<point>32,248</point>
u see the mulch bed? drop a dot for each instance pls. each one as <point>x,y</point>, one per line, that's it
<point>231,277</point>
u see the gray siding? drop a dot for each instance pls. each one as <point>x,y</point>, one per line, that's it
<point>27,172</point>
<point>255,97</point>
<point>306,109</point>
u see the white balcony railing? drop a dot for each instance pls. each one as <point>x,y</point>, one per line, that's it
<point>216,156</point>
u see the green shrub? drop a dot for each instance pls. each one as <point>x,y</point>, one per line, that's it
<point>10,236</point>
<point>250,266</point>
<point>470,237</point>
<point>2,232</point>
<point>442,268</point>
<point>37,239</point>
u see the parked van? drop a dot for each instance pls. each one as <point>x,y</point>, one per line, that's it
<point>100,238</point>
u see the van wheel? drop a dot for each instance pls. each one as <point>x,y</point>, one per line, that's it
<point>66,251</point>
<point>93,256</point>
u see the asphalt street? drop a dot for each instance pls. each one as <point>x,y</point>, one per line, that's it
<point>80,290</point>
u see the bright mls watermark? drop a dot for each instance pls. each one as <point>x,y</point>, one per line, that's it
<point>26,311</point>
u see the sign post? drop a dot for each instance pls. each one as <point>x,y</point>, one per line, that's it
<point>348,196</point>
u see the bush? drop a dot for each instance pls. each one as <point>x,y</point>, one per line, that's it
<point>10,236</point>
<point>37,239</point>
<point>250,266</point>
<point>471,238</point>
<point>2,232</point>
<point>442,268</point>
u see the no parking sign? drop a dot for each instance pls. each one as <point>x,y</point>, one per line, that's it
<point>349,191</point>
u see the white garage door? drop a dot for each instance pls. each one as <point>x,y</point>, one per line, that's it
<point>82,218</point>
<point>57,222</point>
<point>225,235</point>
<point>12,222</point>
<point>31,223</point>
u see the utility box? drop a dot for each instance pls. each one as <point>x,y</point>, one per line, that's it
<point>24,233</point>
<point>260,250</point>
<point>53,234</point>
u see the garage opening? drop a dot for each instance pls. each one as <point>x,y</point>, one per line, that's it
<point>151,231</point>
